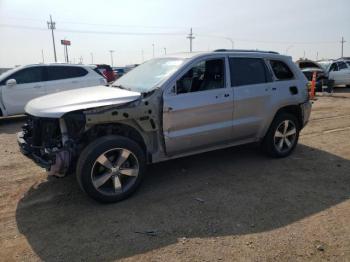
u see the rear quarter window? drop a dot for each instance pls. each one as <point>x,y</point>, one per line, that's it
<point>281,70</point>
<point>248,71</point>
<point>64,72</point>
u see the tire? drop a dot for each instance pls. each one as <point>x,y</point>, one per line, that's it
<point>272,141</point>
<point>111,168</point>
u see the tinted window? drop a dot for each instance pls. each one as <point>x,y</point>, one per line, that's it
<point>248,71</point>
<point>281,70</point>
<point>205,75</point>
<point>28,75</point>
<point>342,65</point>
<point>333,67</point>
<point>64,72</point>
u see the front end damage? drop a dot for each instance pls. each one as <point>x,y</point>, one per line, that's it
<point>51,143</point>
<point>55,143</point>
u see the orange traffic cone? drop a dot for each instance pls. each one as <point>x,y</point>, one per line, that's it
<point>313,85</point>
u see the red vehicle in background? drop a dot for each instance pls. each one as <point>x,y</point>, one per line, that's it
<point>107,72</point>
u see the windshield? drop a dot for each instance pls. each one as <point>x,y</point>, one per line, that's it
<point>147,76</point>
<point>325,65</point>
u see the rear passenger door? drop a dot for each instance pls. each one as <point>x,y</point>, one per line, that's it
<point>251,82</point>
<point>61,78</point>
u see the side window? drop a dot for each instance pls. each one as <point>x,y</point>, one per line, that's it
<point>29,75</point>
<point>281,70</point>
<point>248,71</point>
<point>205,75</point>
<point>341,65</point>
<point>64,72</point>
<point>333,67</point>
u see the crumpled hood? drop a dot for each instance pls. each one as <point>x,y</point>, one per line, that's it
<point>56,105</point>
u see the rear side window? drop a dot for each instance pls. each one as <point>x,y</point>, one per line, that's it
<point>64,72</point>
<point>281,70</point>
<point>29,75</point>
<point>248,71</point>
<point>342,65</point>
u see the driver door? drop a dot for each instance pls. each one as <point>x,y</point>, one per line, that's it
<point>198,109</point>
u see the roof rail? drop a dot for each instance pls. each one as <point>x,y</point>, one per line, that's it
<point>245,51</point>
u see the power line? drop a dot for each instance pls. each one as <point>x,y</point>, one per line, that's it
<point>97,24</point>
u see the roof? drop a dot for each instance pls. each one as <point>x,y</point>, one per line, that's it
<point>187,55</point>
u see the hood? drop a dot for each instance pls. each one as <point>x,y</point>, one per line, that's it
<point>56,105</point>
<point>311,69</point>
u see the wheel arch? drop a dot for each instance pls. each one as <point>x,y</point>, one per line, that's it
<point>293,110</point>
<point>122,129</point>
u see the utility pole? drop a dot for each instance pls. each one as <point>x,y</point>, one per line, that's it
<point>92,58</point>
<point>52,26</point>
<point>191,37</point>
<point>164,50</point>
<point>342,46</point>
<point>111,51</point>
<point>153,50</point>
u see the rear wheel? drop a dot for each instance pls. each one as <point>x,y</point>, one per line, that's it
<point>282,136</point>
<point>111,168</point>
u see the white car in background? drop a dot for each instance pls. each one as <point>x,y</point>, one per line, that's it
<point>337,70</point>
<point>21,84</point>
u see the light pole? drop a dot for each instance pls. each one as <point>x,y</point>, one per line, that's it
<point>342,46</point>
<point>111,51</point>
<point>164,50</point>
<point>153,50</point>
<point>42,55</point>
<point>232,42</point>
<point>92,57</point>
<point>287,49</point>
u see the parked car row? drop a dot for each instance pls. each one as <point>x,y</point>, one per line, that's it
<point>329,72</point>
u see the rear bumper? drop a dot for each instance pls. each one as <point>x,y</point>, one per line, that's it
<point>306,112</point>
<point>30,152</point>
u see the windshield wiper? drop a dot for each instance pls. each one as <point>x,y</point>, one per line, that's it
<point>121,87</point>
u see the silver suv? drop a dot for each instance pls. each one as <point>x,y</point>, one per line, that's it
<point>166,108</point>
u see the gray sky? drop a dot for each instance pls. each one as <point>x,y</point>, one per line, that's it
<point>130,26</point>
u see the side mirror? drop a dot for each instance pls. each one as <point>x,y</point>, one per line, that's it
<point>11,82</point>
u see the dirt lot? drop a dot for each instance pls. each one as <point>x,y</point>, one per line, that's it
<point>228,205</point>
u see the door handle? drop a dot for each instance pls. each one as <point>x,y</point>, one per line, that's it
<point>168,109</point>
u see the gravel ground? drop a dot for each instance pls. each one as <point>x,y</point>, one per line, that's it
<point>228,205</point>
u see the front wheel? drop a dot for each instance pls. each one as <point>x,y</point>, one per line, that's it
<point>282,136</point>
<point>111,168</point>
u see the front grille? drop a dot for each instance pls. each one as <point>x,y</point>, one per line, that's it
<point>42,132</point>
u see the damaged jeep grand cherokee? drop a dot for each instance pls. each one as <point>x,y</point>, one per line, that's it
<point>166,108</point>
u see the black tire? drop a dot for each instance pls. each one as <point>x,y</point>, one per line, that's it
<point>87,164</point>
<point>269,142</point>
